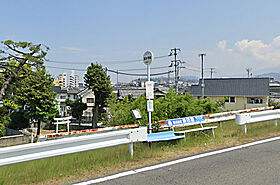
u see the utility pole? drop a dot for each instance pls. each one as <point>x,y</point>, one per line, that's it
<point>168,82</point>
<point>212,71</point>
<point>248,71</point>
<point>117,77</point>
<point>176,65</point>
<point>106,70</point>
<point>202,55</point>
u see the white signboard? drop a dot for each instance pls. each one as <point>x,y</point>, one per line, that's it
<point>136,114</point>
<point>150,106</point>
<point>148,57</point>
<point>149,90</point>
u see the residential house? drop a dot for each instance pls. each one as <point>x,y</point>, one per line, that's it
<point>136,92</point>
<point>239,93</point>
<point>88,97</point>
<point>72,93</point>
<point>61,96</point>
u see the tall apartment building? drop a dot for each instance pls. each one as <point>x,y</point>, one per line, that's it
<point>74,80</point>
<point>65,84</point>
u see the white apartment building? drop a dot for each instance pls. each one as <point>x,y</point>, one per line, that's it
<point>65,84</point>
<point>74,80</point>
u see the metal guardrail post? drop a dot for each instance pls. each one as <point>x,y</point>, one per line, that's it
<point>32,138</point>
<point>245,129</point>
<point>275,122</point>
<point>130,149</point>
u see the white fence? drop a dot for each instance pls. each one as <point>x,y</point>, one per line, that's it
<point>210,118</point>
<point>34,151</point>
<point>253,117</point>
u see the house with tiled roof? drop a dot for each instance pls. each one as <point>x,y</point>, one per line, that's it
<point>136,92</point>
<point>239,93</point>
<point>87,96</point>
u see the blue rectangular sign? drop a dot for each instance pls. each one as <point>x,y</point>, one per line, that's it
<point>179,121</point>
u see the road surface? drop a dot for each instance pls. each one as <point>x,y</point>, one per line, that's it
<point>258,164</point>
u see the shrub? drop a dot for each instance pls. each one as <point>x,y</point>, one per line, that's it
<point>2,130</point>
<point>171,106</point>
<point>18,121</point>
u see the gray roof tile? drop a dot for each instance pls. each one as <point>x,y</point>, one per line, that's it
<point>249,87</point>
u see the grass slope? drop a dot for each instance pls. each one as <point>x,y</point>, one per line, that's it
<point>85,165</point>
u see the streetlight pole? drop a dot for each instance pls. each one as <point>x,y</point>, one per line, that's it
<point>202,55</point>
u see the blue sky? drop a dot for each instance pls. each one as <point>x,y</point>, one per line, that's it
<point>235,34</point>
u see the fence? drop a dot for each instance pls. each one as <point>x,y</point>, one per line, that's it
<point>244,119</point>
<point>208,118</point>
<point>34,151</point>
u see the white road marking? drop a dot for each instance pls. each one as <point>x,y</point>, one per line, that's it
<point>131,172</point>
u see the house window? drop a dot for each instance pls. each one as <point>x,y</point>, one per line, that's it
<point>62,97</point>
<point>90,100</point>
<point>230,99</point>
<point>255,100</point>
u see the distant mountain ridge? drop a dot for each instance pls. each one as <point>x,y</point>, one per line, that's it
<point>275,76</point>
<point>192,79</point>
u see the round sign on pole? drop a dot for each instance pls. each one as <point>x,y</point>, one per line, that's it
<point>148,57</point>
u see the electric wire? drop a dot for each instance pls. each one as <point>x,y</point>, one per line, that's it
<point>139,69</point>
<point>113,71</point>
<point>113,62</point>
<point>181,56</point>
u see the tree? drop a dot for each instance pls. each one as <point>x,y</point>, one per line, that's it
<point>14,56</point>
<point>97,80</point>
<point>36,96</point>
<point>171,106</point>
<point>77,108</point>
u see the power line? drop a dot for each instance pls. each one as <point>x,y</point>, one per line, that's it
<point>139,69</point>
<point>113,71</point>
<point>131,74</point>
<point>114,62</point>
<point>191,69</point>
<point>196,67</point>
<point>66,68</point>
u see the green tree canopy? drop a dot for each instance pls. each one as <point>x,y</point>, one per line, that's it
<point>97,80</point>
<point>36,96</point>
<point>77,108</point>
<point>14,56</point>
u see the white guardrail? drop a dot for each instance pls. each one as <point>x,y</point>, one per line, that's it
<point>209,118</point>
<point>34,151</point>
<point>254,117</point>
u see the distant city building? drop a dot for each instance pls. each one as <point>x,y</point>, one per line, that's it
<point>81,84</point>
<point>58,81</point>
<point>64,80</point>
<point>74,80</point>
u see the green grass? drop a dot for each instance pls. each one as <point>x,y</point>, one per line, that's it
<point>97,161</point>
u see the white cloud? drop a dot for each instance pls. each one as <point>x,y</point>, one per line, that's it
<point>222,44</point>
<point>72,49</point>
<point>268,53</point>
<point>276,42</point>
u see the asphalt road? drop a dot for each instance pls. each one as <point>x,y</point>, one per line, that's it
<point>259,164</point>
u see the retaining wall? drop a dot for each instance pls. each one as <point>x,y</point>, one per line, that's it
<point>13,140</point>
